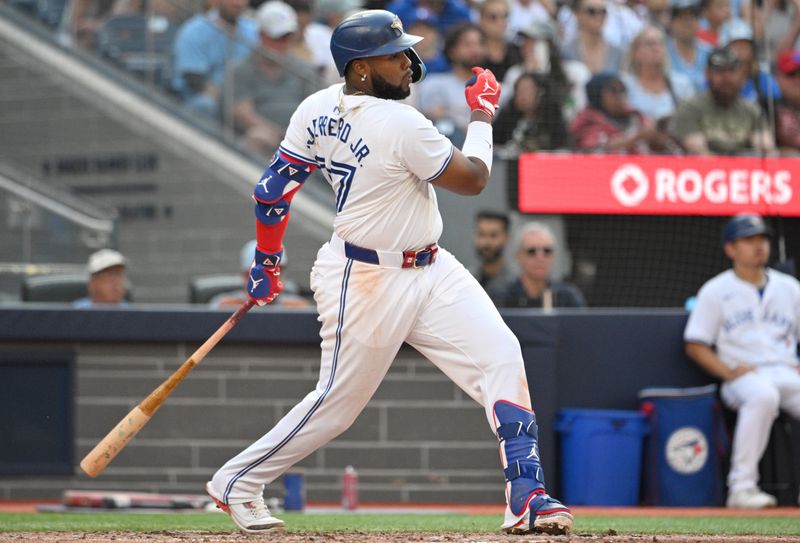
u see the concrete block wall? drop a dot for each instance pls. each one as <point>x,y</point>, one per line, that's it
<point>420,439</point>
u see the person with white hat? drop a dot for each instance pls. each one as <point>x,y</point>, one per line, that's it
<point>759,85</point>
<point>106,284</point>
<point>269,84</point>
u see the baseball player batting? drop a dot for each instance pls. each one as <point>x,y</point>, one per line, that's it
<point>382,279</point>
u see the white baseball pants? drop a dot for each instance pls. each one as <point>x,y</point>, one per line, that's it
<point>367,312</point>
<point>758,396</point>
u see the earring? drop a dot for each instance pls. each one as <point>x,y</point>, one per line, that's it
<point>363,77</point>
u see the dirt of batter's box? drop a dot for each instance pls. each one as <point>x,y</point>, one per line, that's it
<point>373,537</point>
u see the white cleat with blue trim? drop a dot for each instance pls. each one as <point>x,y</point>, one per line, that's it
<point>251,517</point>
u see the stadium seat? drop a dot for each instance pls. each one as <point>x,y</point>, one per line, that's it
<point>54,288</point>
<point>202,289</point>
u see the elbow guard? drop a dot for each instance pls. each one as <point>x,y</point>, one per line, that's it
<point>274,191</point>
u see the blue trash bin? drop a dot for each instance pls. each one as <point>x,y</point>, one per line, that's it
<point>601,455</point>
<point>684,452</point>
<point>295,492</point>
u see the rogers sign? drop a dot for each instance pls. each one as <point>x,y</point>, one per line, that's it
<point>625,184</point>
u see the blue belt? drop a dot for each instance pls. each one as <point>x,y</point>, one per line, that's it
<point>411,259</point>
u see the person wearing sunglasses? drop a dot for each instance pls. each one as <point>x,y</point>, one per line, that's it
<point>534,287</point>
<point>589,45</point>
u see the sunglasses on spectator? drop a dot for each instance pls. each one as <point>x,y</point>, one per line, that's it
<point>617,89</point>
<point>547,250</point>
<point>495,16</point>
<point>595,12</point>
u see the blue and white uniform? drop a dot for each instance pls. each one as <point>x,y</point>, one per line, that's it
<point>380,157</point>
<point>759,327</point>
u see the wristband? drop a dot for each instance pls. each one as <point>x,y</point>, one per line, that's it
<point>478,143</point>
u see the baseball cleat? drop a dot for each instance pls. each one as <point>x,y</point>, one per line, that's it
<point>750,498</point>
<point>251,517</point>
<point>550,517</point>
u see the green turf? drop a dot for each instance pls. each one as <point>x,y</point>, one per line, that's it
<point>297,522</point>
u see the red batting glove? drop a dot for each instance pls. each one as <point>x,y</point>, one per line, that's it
<point>483,91</point>
<point>264,284</point>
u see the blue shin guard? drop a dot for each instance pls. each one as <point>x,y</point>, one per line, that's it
<point>518,435</point>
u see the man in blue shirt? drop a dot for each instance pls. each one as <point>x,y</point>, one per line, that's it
<point>205,46</point>
<point>687,54</point>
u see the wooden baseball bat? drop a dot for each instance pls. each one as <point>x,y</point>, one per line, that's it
<point>116,440</point>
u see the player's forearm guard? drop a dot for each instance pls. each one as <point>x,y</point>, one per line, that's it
<point>280,178</point>
<point>273,195</point>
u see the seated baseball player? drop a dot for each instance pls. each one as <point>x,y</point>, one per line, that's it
<point>743,329</point>
<point>383,279</point>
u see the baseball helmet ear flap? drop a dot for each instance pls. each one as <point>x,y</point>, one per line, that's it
<point>418,68</point>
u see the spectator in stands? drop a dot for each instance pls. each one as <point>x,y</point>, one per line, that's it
<point>84,19</point>
<point>658,14</point>
<point>653,87</point>
<point>501,53</point>
<point>174,11</point>
<point>107,283</point>
<point>448,12</point>
<point>610,124</point>
<point>206,47</point>
<point>759,85</point>
<point>620,23</point>
<point>541,54</point>
<point>525,13</point>
<point>327,14</point>
<point>271,82</point>
<point>431,49</point>
<point>781,25</point>
<point>290,297</point>
<point>589,45</point>
<point>720,121</point>
<point>439,96</point>
<point>744,330</point>
<point>787,110</point>
<point>715,13</point>
<point>533,120</point>
<point>491,237</point>
<point>534,287</point>
<point>687,54</point>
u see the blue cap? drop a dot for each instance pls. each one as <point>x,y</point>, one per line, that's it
<point>744,226</point>
<point>423,16</point>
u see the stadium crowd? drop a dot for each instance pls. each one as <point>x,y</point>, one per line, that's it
<point>583,75</point>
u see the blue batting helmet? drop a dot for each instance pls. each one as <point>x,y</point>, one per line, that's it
<point>744,226</point>
<point>373,33</point>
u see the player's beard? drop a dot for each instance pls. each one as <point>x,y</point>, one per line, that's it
<point>383,89</point>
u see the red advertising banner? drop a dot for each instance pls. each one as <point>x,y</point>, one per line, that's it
<point>658,185</point>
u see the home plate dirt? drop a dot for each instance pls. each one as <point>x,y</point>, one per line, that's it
<point>371,537</point>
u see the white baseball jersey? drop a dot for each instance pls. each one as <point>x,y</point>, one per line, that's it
<point>748,325</point>
<point>379,156</point>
